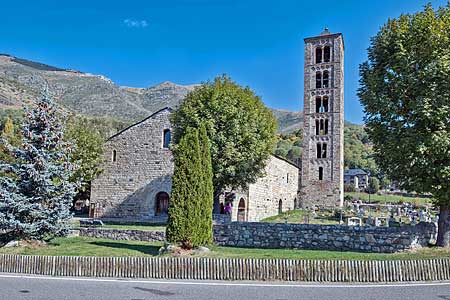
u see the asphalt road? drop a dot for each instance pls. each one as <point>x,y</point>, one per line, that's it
<point>34,287</point>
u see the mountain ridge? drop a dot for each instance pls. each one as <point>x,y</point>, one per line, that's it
<point>92,95</point>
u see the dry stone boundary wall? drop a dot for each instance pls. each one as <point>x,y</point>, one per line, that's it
<point>297,236</point>
<point>325,237</point>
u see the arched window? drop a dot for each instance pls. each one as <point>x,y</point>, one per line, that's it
<point>326,54</point>
<point>325,103</point>
<point>325,80</point>
<point>317,127</point>
<point>320,173</point>
<point>114,156</point>
<point>241,211</point>
<point>322,127</point>
<point>321,150</point>
<point>167,136</point>
<point>162,203</point>
<point>318,104</point>
<point>318,80</point>
<point>280,206</point>
<point>326,126</point>
<point>318,55</point>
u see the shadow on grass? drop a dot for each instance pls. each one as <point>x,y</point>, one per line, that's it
<point>146,249</point>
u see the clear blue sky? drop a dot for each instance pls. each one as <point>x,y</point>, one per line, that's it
<point>141,43</point>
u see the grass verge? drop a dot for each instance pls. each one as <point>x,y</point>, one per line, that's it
<point>81,246</point>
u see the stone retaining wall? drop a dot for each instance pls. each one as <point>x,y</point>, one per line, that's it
<point>296,236</point>
<point>325,237</point>
<point>123,235</point>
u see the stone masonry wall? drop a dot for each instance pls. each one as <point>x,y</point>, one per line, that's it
<point>296,236</point>
<point>127,188</point>
<point>324,237</point>
<point>279,184</point>
<point>123,235</point>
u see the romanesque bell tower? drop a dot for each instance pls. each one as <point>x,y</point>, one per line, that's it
<point>322,172</point>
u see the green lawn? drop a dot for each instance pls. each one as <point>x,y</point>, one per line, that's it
<point>80,246</point>
<point>298,216</point>
<point>388,198</point>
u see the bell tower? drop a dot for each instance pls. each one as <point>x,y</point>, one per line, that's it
<point>322,161</point>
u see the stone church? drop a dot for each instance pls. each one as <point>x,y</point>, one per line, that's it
<point>137,178</point>
<point>138,164</point>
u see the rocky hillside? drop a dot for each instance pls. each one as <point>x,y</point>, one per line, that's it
<point>93,95</point>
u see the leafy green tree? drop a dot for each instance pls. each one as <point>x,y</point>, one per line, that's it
<point>87,154</point>
<point>185,206</point>
<point>10,135</point>
<point>405,91</point>
<point>240,128</point>
<point>374,185</point>
<point>36,194</point>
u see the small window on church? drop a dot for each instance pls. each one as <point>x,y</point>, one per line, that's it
<point>114,156</point>
<point>325,82</point>
<point>320,173</point>
<point>287,177</point>
<point>318,55</point>
<point>319,150</point>
<point>166,138</point>
<point>326,126</point>
<point>318,80</point>
<point>317,127</point>
<point>324,150</point>
<point>326,54</point>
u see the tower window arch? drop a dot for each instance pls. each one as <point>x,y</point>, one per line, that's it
<point>325,103</point>
<point>325,79</point>
<point>322,104</point>
<point>321,150</point>
<point>318,80</point>
<point>320,173</point>
<point>318,55</point>
<point>326,54</point>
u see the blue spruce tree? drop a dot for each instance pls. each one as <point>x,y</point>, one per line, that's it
<point>35,191</point>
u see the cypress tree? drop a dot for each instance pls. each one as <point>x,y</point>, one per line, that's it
<point>207,199</point>
<point>184,209</point>
<point>35,194</point>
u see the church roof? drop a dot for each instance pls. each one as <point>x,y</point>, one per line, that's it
<point>354,172</point>
<point>151,116</point>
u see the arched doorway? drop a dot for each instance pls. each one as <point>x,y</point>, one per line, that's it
<point>241,211</point>
<point>162,203</point>
<point>280,206</point>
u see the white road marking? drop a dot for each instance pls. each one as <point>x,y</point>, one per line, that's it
<point>208,283</point>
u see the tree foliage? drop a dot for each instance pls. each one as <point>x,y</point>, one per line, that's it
<point>240,128</point>
<point>87,153</point>
<point>11,135</point>
<point>405,91</point>
<point>206,200</point>
<point>36,195</point>
<point>190,207</point>
<point>374,185</point>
